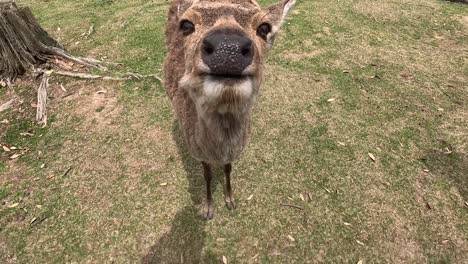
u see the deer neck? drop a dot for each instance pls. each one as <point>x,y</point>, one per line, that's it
<point>220,125</point>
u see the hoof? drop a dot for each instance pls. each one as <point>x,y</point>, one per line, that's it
<point>207,213</point>
<point>230,204</point>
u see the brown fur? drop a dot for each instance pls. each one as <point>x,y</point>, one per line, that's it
<point>214,116</point>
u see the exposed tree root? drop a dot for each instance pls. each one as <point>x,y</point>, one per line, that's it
<point>27,48</point>
<point>127,76</point>
<point>41,114</point>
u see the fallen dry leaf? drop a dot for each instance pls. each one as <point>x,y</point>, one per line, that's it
<point>225,261</point>
<point>371,156</point>
<point>405,74</point>
<point>4,121</point>
<point>466,203</point>
<point>346,224</point>
<point>5,148</point>
<point>302,197</point>
<point>360,261</point>
<point>163,184</point>
<point>250,197</point>
<point>445,241</point>
<point>13,205</point>
<point>327,190</point>
<point>220,239</point>
<point>15,156</point>
<point>13,148</point>
<point>291,238</point>
<point>341,143</point>
<point>440,109</point>
<point>331,99</point>
<point>359,242</point>
<point>64,65</point>
<point>426,170</point>
<point>43,165</point>
<point>26,134</point>
<point>101,92</point>
<point>34,219</point>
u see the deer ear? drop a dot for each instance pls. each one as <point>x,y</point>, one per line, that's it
<point>182,6</point>
<point>278,12</point>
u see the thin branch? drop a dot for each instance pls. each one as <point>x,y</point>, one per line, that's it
<point>127,76</point>
<point>41,114</point>
<point>292,206</point>
<point>83,61</point>
<point>6,105</point>
<point>66,172</point>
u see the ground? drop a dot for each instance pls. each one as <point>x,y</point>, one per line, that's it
<point>362,123</point>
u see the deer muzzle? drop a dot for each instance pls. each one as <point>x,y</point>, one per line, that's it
<point>227,54</point>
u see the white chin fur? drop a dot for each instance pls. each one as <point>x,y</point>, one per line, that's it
<point>213,88</point>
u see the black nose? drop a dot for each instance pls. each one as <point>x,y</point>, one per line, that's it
<point>227,53</point>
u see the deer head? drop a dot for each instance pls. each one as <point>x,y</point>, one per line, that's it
<point>222,45</point>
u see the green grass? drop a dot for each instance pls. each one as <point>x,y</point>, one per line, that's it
<point>119,186</point>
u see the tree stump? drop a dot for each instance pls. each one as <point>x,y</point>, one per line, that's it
<point>25,47</point>
<point>24,44</point>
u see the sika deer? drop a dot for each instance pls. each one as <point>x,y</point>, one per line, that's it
<point>213,71</point>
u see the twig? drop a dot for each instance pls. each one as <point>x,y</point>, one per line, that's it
<point>6,105</point>
<point>38,221</point>
<point>292,206</point>
<point>90,31</point>
<point>41,114</point>
<point>82,61</point>
<point>91,60</point>
<point>66,172</point>
<point>128,76</point>
<point>68,94</point>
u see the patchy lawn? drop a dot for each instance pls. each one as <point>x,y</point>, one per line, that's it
<point>109,180</point>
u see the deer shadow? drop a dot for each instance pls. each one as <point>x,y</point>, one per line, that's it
<point>185,240</point>
<point>453,166</point>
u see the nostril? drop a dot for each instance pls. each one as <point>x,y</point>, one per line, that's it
<point>246,51</point>
<point>208,48</point>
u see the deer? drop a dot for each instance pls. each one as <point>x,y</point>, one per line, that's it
<point>213,70</point>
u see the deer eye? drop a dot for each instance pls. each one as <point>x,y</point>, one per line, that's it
<point>187,27</point>
<point>263,30</point>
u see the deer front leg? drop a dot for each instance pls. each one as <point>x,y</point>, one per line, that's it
<point>228,193</point>
<point>207,213</point>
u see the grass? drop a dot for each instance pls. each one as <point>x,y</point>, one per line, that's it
<point>117,184</point>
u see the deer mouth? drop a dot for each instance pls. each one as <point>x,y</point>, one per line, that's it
<point>229,79</point>
<point>216,86</point>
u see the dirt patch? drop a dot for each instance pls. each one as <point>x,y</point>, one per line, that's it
<point>464,21</point>
<point>303,55</point>
<point>15,171</point>
<point>391,10</point>
<point>379,10</point>
<point>401,236</point>
<point>96,104</point>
